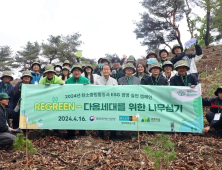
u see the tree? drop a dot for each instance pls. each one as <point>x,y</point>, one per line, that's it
<point>159,26</point>
<point>208,6</point>
<point>6,59</point>
<point>62,48</point>
<point>28,55</point>
<point>217,20</point>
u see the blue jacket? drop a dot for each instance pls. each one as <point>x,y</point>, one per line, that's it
<point>177,80</point>
<point>36,77</point>
<point>9,90</point>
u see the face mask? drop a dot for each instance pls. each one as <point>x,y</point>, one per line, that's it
<point>58,69</point>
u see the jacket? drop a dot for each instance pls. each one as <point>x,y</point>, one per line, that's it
<point>55,80</point>
<point>124,81</point>
<point>118,74</point>
<point>9,90</point>
<point>10,114</point>
<point>143,79</point>
<point>191,59</point>
<point>101,81</point>
<point>160,81</point>
<point>35,77</point>
<point>17,92</point>
<point>81,80</point>
<point>162,61</point>
<point>173,73</point>
<point>177,80</point>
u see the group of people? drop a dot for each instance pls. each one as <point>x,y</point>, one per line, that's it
<point>179,71</point>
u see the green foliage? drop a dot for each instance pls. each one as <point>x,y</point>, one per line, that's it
<point>205,120</point>
<point>20,144</point>
<point>215,85</point>
<point>163,153</point>
<point>204,75</point>
<point>210,93</point>
<point>6,59</point>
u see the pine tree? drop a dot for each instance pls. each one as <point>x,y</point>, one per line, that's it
<point>6,58</point>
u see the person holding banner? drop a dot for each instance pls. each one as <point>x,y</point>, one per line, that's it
<point>26,79</point>
<point>36,76</point>
<point>191,59</point>
<point>141,72</point>
<point>49,79</point>
<point>106,80</point>
<point>77,78</point>
<point>65,74</point>
<point>168,71</point>
<point>129,79</point>
<point>117,72</point>
<point>156,78</point>
<point>163,54</point>
<point>182,78</point>
<point>6,133</point>
<point>214,116</point>
<point>7,87</point>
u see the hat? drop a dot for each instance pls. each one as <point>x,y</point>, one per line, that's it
<point>219,89</point>
<point>26,73</point>
<point>7,74</point>
<point>77,66</point>
<point>106,59</point>
<point>177,46</point>
<point>163,50</point>
<point>131,58</point>
<point>155,65</point>
<point>181,63</point>
<point>151,52</point>
<point>58,65</point>
<point>4,96</point>
<point>49,68</point>
<point>88,65</point>
<point>167,63</point>
<point>63,68</point>
<point>99,59</point>
<point>129,65</point>
<point>66,62</point>
<point>36,62</point>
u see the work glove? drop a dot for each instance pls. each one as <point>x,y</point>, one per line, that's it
<point>47,84</point>
<point>85,83</point>
<point>61,83</point>
<point>18,130</point>
<point>192,86</point>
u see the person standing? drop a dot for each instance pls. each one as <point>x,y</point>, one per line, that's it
<point>26,79</point>
<point>129,79</point>
<point>58,69</point>
<point>156,78</point>
<point>7,87</point>
<point>49,79</point>
<point>106,80</point>
<point>116,71</point>
<point>182,78</point>
<point>168,71</point>
<point>88,73</point>
<point>191,59</point>
<point>36,76</point>
<point>141,72</point>
<point>163,54</point>
<point>77,78</point>
<point>66,64</point>
<point>65,74</point>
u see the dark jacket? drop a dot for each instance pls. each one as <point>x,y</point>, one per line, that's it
<point>10,114</point>
<point>118,74</point>
<point>162,61</point>
<point>143,79</point>
<point>134,81</point>
<point>213,103</point>
<point>97,71</point>
<point>9,90</point>
<point>177,80</point>
<point>153,81</point>
<point>35,77</point>
<point>17,92</point>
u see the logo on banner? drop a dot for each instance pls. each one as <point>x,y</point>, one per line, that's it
<point>181,93</point>
<point>92,118</point>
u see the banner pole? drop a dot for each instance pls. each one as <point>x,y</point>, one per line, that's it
<point>137,115</point>
<point>27,147</point>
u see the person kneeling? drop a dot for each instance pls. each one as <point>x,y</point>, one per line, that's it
<point>214,116</point>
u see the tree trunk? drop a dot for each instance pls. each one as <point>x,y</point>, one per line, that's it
<point>208,30</point>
